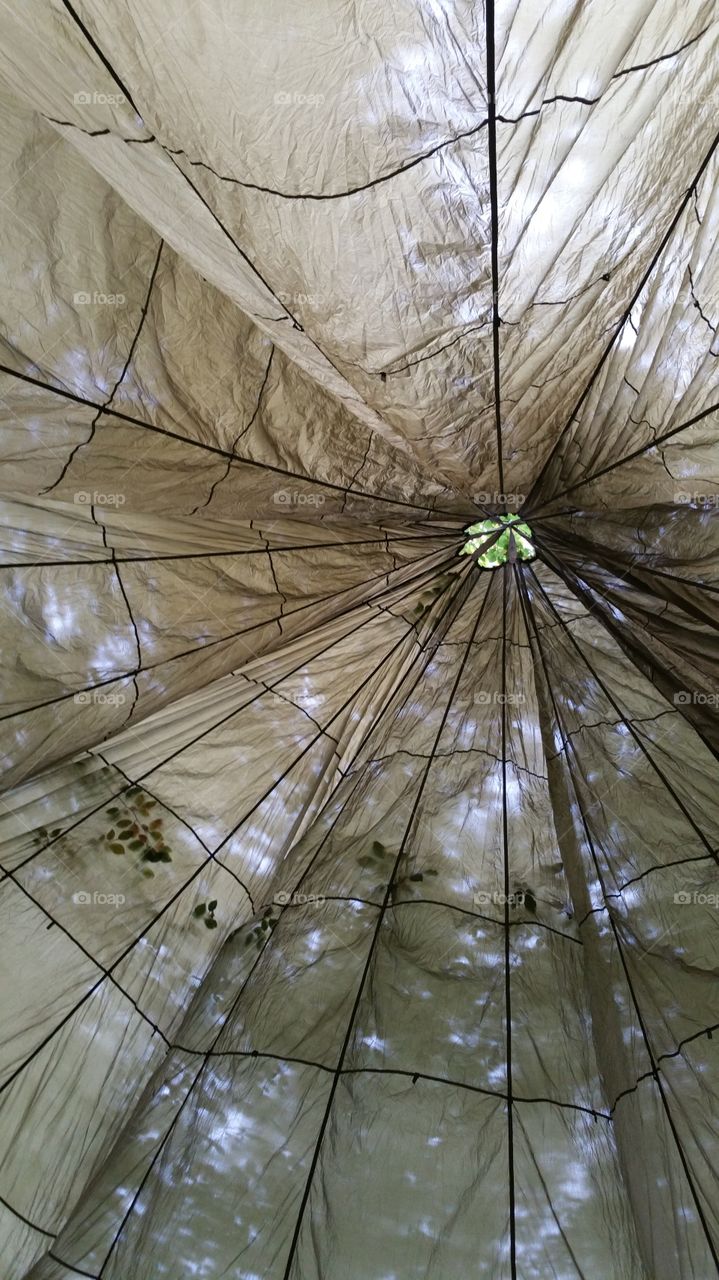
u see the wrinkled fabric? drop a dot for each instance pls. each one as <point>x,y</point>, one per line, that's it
<point>359,901</point>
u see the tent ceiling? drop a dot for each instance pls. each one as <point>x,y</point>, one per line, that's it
<point>359,906</point>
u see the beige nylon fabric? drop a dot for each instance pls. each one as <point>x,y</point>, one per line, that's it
<point>359,904</point>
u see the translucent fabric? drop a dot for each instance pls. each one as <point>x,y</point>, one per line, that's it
<point>359,903</point>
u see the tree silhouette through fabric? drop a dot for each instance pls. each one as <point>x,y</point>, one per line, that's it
<point>359,560</point>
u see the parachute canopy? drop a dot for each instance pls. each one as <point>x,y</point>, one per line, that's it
<point>359,562</point>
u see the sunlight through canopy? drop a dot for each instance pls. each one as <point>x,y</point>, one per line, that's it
<point>359,902</point>
<point>491,547</point>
